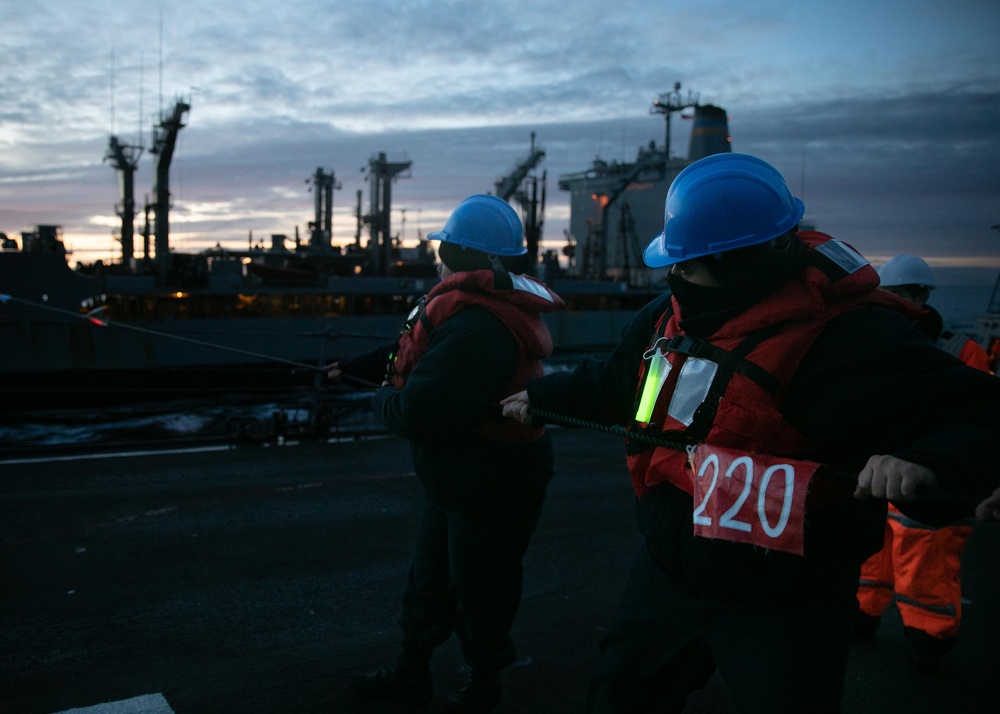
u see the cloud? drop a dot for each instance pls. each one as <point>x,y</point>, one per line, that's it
<point>885,121</point>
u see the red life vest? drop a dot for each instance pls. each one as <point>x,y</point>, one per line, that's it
<point>519,307</point>
<point>746,366</point>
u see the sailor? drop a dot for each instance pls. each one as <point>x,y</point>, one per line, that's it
<point>919,565</point>
<point>774,351</point>
<point>476,337</point>
<point>911,277</point>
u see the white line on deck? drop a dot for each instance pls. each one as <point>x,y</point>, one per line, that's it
<point>146,704</point>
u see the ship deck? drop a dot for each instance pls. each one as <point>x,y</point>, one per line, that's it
<point>258,579</point>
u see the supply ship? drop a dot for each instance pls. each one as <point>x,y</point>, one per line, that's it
<point>160,324</point>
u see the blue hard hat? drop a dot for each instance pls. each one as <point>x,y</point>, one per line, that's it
<point>721,203</point>
<point>486,223</point>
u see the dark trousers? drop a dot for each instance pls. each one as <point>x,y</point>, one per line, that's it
<point>466,578</point>
<point>663,645</point>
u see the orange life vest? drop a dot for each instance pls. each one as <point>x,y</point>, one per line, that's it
<point>727,390</point>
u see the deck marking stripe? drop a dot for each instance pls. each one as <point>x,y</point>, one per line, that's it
<point>146,704</point>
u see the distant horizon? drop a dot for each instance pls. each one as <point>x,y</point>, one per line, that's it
<point>967,262</point>
<point>113,254</point>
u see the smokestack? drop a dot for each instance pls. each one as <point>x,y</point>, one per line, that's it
<point>710,133</point>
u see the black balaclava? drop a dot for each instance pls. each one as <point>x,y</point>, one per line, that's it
<point>930,323</point>
<point>460,259</point>
<point>745,276</point>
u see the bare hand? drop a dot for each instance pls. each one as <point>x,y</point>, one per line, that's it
<point>516,406</point>
<point>989,509</point>
<point>333,372</point>
<point>894,479</point>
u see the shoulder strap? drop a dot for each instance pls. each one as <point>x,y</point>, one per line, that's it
<point>730,363</point>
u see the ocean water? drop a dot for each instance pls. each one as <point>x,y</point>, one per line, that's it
<point>962,294</point>
<point>184,423</point>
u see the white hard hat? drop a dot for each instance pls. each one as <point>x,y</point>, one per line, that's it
<point>906,270</point>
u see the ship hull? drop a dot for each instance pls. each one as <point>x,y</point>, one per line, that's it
<point>62,360</point>
<point>258,322</point>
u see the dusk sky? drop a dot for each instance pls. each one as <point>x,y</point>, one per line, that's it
<point>881,114</point>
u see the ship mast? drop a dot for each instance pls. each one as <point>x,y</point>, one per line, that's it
<point>382,173</point>
<point>994,305</point>
<point>164,143</point>
<point>322,228</point>
<point>668,104</point>
<point>125,159</point>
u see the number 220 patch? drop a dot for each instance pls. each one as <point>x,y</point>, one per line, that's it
<point>750,498</point>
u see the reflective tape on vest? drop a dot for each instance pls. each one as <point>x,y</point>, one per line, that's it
<point>693,383</point>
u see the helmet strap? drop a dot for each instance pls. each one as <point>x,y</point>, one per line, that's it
<point>501,278</point>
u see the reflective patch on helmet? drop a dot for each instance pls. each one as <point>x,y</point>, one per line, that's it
<point>693,383</point>
<point>848,259</point>
<point>530,286</point>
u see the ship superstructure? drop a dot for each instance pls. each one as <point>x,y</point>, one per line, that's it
<point>616,207</point>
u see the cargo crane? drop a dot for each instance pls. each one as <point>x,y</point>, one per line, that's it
<point>164,142</point>
<point>652,161</point>
<point>524,189</point>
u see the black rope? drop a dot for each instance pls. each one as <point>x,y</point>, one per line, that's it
<point>358,382</point>
<point>648,439</point>
<point>101,322</point>
<point>657,439</point>
<point>847,477</point>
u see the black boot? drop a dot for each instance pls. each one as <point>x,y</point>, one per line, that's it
<point>927,651</point>
<point>408,681</point>
<point>865,626</point>
<point>480,696</point>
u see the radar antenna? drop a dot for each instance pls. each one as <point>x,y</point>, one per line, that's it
<point>669,103</point>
